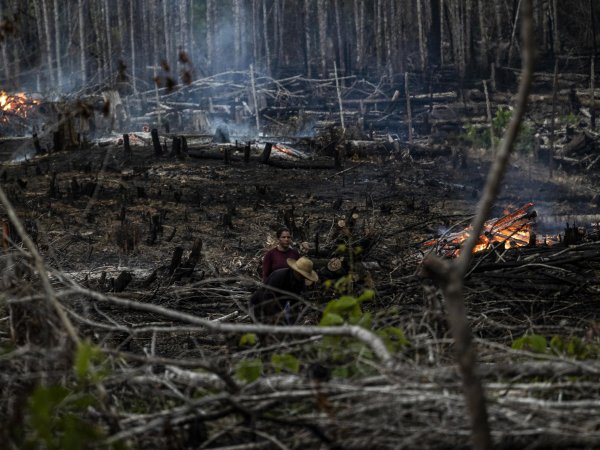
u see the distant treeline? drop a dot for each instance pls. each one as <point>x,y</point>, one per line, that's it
<point>66,45</point>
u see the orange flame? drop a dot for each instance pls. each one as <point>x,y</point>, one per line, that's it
<point>512,230</point>
<point>18,103</point>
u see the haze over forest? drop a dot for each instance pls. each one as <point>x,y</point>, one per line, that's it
<point>67,45</point>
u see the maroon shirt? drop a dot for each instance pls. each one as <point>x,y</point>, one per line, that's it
<point>276,259</point>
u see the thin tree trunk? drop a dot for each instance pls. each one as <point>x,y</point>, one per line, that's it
<point>255,99</point>
<point>121,31</point>
<point>359,22</point>
<point>322,15</point>
<point>592,65</point>
<point>339,95</point>
<point>387,34</point>
<point>132,44</point>
<point>408,109</point>
<point>553,119</point>
<point>255,52</point>
<point>499,30</point>
<point>307,40</point>
<point>107,31</point>
<point>592,90</point>
<point>421,35</point>
<point>483,49</point>
<point>284,56</point>
<point>82,59</point>
<point>442,31</point>
<point>556,39</point>
<point>48,43</point>
<point>59,72</point>
<point>512,43</point>
<point>183,27</point>
<point>378,35</point>
<point>237,33</point>
<point>467,27</point>
<point>266,37</point>
<point>340,41</point>
<point>3,44</point>
<point>167,34</point>
<point>210,35</point>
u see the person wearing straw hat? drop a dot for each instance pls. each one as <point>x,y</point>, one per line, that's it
<point>276,301</point>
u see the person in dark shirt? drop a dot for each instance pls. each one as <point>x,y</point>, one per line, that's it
<point>270,305</point>
<point>276,258</point>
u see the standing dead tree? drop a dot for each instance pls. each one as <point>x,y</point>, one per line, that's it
<point>451,275</point>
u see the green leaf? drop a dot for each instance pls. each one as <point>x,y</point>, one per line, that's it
<point>331,320</point>
<point>285,361</point>
<point>342,248</point>
<point>366,321</point>
<point>341,372</point>
<point>249,370</point>
<point>393,338</point>
<point>367,295</point>
<point>534,343</point>
<point>557,345</point>
<point>85,356</point>
<point>42,405</point>
<point>575,347</point>
<point>248,339</point>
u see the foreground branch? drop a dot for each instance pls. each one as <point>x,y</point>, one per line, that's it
<point>451,276</point>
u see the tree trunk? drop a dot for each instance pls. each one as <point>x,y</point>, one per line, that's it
<point>183,29</point>
<point>387,43</point>
<point>483,49</point>
<point>307,40</point>
<point>3,44</point>
<point>266,37</point>
<point>59,73</point>
<point>378,34</point>
<point>48,43</point>
<point>108,32</point>
<point>359,23</point>
<point>322,15</point>
<point>255,50</point>
<point>422,46</point>
<point>442,30</point>
<point>210,35</point>
<point>556,39</point>
<point>340,41</point>
<point>82,60</point>
<point>237,33</point>
<point>132,44</point>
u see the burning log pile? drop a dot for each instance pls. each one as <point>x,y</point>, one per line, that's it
<point>16,113</point>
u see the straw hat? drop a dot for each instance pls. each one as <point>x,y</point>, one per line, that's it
<point>304,267</point>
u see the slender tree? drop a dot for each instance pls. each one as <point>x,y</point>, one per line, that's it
<point>211,50</point>
<point>82,58</point>
<point>3,45</point>
<point>132,44</point>
<point>265,28</point>
<point>57,34</point>
<point>322,16</point>
<point>307,37</point>
<point>237,33</point>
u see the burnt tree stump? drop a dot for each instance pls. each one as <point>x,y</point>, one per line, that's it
<point>126,147</point>
<point>175,260</point>
<point>176,147</point>
<point>156,142</point>
<point>122,281</point>
<point>247,153</point>
<point>266,153</point>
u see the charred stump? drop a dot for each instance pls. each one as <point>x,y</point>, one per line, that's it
<point>156,142</point>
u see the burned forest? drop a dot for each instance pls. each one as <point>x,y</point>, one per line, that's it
<point>437,162</point>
